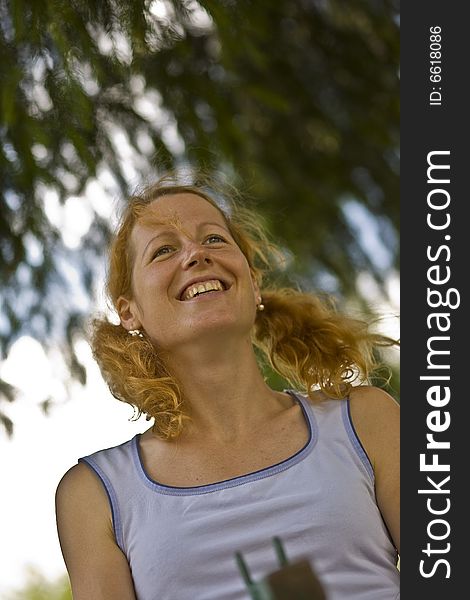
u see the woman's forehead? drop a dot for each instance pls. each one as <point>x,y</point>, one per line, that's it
<point>180,209</point>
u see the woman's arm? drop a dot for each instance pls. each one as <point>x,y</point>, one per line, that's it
<point>376,418</point>
<point>97,568</point>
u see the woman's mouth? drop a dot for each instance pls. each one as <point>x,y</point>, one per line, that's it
<point>202,287</point>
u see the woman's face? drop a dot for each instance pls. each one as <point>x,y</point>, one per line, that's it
<point>189,279</point>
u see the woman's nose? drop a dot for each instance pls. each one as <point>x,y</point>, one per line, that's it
<point>196,255</point>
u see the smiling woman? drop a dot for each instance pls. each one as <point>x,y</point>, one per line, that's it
<point>228,463</point>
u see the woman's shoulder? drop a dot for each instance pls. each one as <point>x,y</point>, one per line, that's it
<point>111,457</point>
<point>76,492</point>
<point>362,397</point>
<point>369,402</point>
<point>86,534</point>
<point>78,485</point>
<point>80,481</point>
<point>376,418</point>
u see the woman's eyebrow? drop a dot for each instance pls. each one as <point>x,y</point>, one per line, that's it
<point>162,233</point>
<point>221,225</point>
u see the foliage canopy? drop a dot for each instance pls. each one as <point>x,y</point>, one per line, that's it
<point>295,102</point>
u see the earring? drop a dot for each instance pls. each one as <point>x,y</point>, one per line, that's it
<point>260,305</point>
<point>135,333</point>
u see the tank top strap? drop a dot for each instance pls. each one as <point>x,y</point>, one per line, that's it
<point>331,417</point>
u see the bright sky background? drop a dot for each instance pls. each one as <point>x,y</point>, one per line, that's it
<point>41,451</point>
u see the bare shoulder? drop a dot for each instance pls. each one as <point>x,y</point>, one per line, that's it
<point>76,476</point>
<point>373,402</point>
<point>96,565</point>
<point>80,494</point>
<point>376,418</point>
<point>79,484</point>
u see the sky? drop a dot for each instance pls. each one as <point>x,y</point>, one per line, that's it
<point>41,450</point>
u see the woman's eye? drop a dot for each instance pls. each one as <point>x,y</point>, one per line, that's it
<point>214,239</point>
<point>161,251</point>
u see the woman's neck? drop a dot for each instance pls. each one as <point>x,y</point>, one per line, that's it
<point>223,390</point>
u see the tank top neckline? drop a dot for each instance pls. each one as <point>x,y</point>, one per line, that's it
<point>240,479</point>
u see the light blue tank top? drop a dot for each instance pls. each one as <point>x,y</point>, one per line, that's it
<point>181,542</point>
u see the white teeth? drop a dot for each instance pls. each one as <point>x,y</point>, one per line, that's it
<point>201,288</point>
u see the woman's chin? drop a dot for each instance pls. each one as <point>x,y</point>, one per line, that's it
<point>214,328</point>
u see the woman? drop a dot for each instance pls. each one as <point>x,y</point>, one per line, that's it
<point>229,462</point>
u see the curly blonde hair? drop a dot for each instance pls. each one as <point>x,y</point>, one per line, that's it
<point>301,336</point>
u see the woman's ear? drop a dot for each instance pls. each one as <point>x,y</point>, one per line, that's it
<point>128,314</point>
<point>256,287</point>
